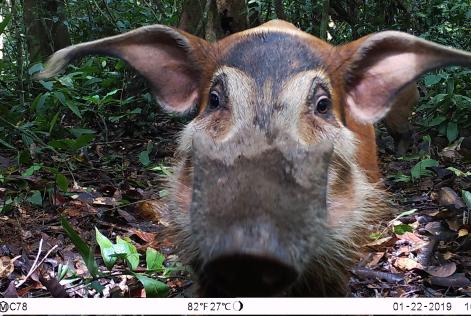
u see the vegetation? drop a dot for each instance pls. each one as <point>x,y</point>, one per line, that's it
<point>94,140</point>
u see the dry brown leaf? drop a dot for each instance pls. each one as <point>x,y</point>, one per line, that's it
<point>403,250</point>
<point>457,280</point>
<point>411,237</point>
<point>426,184</point>
<point>448,197</point>
<point>407,264</point>
<point>147,237</point>
<point>448,255</point>
<point>103,200</point>
<point>463,232</point>
<point>434,228</point>
<point>7,266</point>
<point>150,210</point>
<point>382,242</point>
<point>376,257</point>
<point>442,271</point>
<point>453,224</point>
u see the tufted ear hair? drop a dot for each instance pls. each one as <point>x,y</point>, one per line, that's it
<point>171,60</point>
<point>377,67</point>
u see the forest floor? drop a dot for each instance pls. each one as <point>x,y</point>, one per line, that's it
<point>425,251</point>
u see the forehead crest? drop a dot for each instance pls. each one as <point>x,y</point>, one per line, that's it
<point>271,54</point>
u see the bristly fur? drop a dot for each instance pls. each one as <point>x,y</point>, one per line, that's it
<point>327,272</point>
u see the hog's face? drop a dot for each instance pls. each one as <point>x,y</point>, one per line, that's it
<point>270,176</point>
<point>276,175</point>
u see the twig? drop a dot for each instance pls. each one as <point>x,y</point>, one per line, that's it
<point>36,265</point>
<point>33,267</point>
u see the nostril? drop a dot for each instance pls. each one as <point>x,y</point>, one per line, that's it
<point>249,275</point>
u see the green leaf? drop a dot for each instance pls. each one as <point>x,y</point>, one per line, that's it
<point>106,249</point>
<point>420,169</point>
<point>154,259</point>
<point>31,170</point>
<point>77,132</point>
<point>84,250</point>
<point>96,285</point>
<point>62,182</point>
<point>68,103</point>
<point>144,158</point>
<point>435,121</point>
<point>402,228</point>
<point>66,81</point>
<point>407,213</point>
<point>459,173</point>
<point>8,145</point>
<point>132,256</point>
<point>62,270</point>
<point>467,198</point>
<point>153,288</point>
<point>452,131</point>
<point>4,23</point>
<point>375,236</point>
<point>48,85</point>
<point>35,68</point>
<point>82,141</point>
<point>35,198</point>
<point>430,80</point>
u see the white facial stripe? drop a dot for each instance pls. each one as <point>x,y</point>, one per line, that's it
<point>240,94</point>
<point>293,96</point>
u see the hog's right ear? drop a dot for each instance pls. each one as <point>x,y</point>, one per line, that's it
<point>171,60</point>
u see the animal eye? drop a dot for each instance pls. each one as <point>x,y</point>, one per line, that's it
<point>214,101</point>
<point>323,105</point>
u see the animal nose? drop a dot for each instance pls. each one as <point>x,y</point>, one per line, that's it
<point>250,275</point>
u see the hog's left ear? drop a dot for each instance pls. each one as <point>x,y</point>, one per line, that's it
<point>375,69</point>
<point>171,60</point>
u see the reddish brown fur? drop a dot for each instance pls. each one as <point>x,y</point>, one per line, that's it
<point>330,168</point>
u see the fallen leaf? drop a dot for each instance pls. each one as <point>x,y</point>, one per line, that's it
<point>457,280</point>
<point>11,291</point>
<point>448,255</point>
<point>403,250</point>
<point>381,243</point>
<point>376,257</point>
<point>145,236</point>
<point>150,210</point>
<point>411,237</point>
<point>442,271</point>
<point>407,264</point>
<point>127,217</point>
<point>462,232</point>
<point>453,224</point>
<point>426,184</point>
<point>7,266</point>
<point>434,228</point>
<point>448,197</point>
<point>103,200</point>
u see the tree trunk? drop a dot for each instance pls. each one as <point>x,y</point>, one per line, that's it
<point>279,9</point>
<point>213,19</point>
<point>324,20</point>
<point>15,13</point>
<point>235,13</point>
<point>45,29</point>
<point>200,18</point>
<point>315,18</point>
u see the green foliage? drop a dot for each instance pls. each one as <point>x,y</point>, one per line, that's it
<point>466,198</point>
<point>154,288</point>
<point>85,251</point>
<point>402,228</point>
<point>420,169</point>
<point>111,252</point>
<point>107,249</point>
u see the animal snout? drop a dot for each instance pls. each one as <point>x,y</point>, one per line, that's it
<point>242,274</point>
